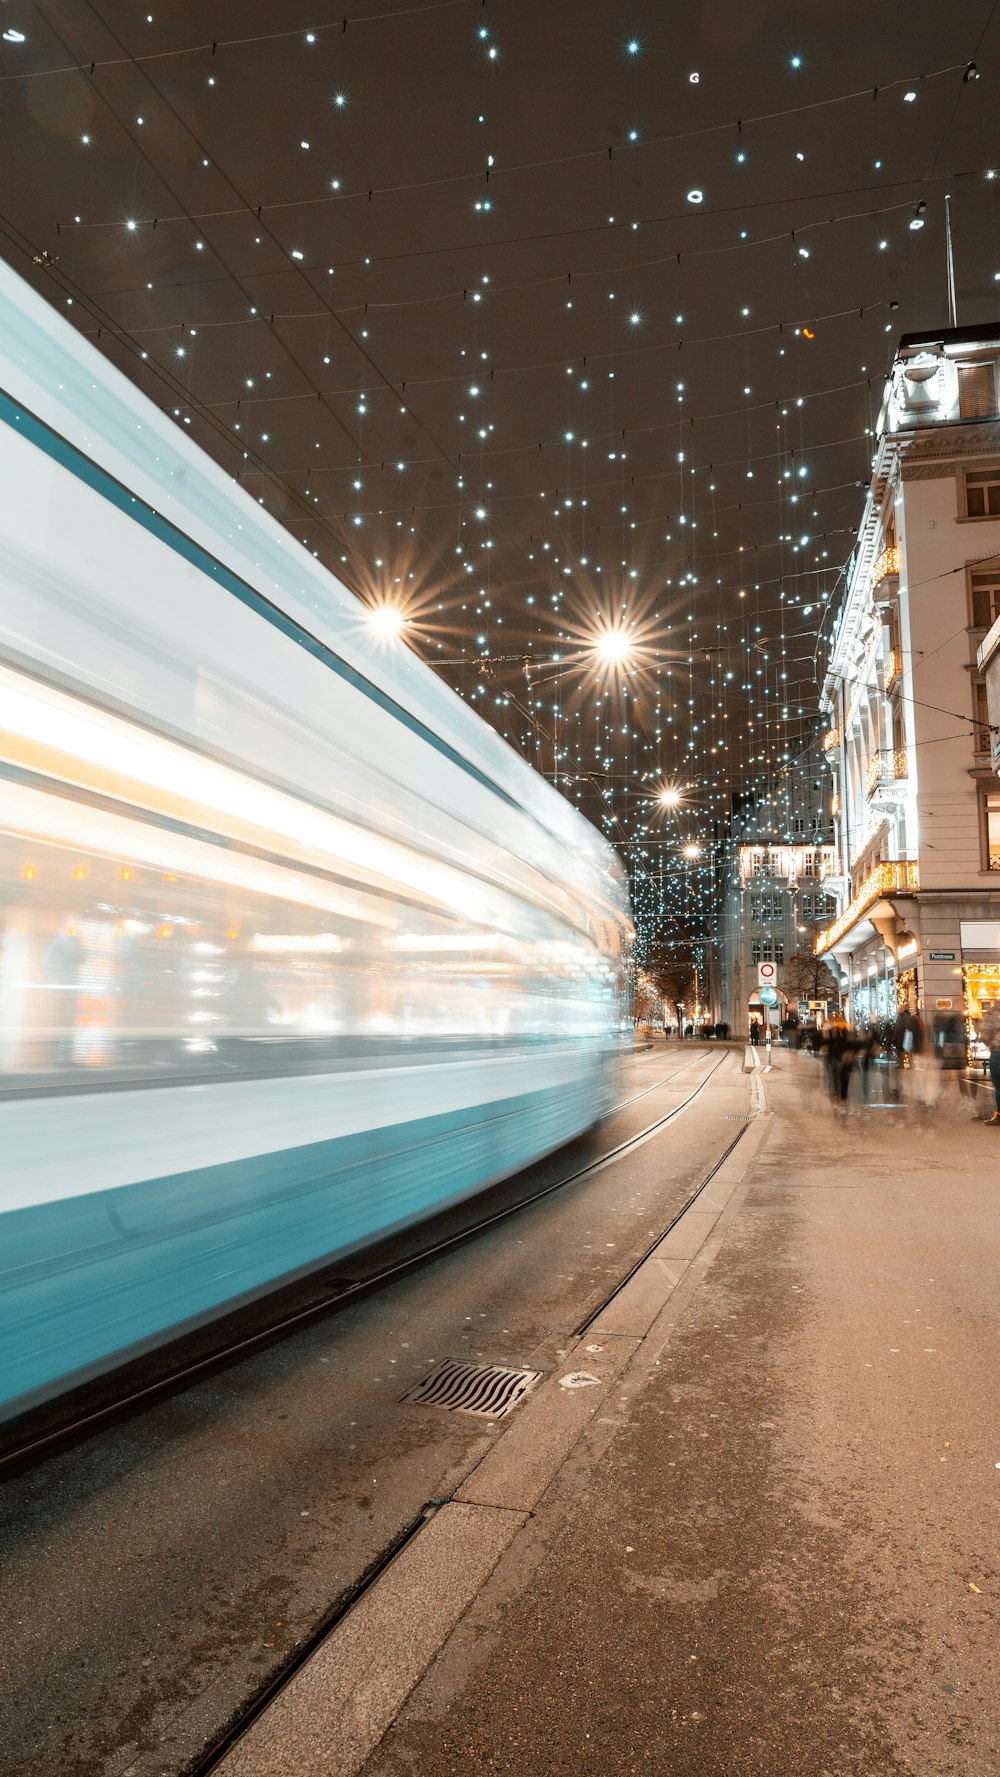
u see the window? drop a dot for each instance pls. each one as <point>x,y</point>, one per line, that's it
<point>762,950</point>
<point>982,492</point>
<point>984,596</point>
<point>811,861</point>
<point>806,906</point>
<point>977,391</point>
<point>991,824</point>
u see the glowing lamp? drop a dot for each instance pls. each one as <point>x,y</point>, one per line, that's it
<point>386,620</point>
<point>692,851</point>
<point>670,796</point>
<point>613,645</point>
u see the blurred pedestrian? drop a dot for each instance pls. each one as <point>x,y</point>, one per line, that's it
<point>841,1048</point>
<point>989,1035</point>
<point>826,1049</point>
<point>754,1032</point>
<point>948,1049</point>
<point>869,1050</point>
<point>909,1039</point>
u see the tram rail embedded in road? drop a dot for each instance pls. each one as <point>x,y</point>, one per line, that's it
<point>33,1451</point>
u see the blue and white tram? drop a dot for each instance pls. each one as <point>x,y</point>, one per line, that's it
<point>294,949</point>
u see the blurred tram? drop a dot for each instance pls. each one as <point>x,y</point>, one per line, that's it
<point>294,949</point>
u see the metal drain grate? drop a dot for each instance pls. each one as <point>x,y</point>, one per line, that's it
<point>488,1389</point>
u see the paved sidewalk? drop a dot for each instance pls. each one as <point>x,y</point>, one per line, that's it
<point>772,1550</point>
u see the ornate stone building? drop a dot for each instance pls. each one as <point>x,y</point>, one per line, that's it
<point>915,797</point>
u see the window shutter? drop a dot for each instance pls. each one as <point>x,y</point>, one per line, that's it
<point>977,394</point>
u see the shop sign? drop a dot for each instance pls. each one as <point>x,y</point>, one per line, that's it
<point>942,956</point>
<point>943,1005</point>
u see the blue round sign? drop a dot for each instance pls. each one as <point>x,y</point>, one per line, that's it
<point>768,996</point>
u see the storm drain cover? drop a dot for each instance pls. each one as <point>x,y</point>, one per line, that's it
<point>488,1389</point>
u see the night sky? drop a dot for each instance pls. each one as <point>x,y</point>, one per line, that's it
<point>537,319</point>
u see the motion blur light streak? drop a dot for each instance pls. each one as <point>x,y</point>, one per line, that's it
<point>100,751</point>
<point>298,954</point>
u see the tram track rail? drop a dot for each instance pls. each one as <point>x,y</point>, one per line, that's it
<point>260,1701</point>
<point>34,1450</point>
<point>689,1203</point>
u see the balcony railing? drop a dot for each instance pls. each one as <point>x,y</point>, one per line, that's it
<point>902,878</point>
<point>889,765</point>
<point>831,739</point>
<point>887,563</point>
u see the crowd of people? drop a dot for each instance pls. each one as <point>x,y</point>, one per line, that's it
<point>906,1062</point>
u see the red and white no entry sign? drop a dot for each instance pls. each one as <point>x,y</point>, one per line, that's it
<point>766,974</point>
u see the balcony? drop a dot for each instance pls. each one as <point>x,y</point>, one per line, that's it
<point>886,564</point>
<point>891,670</point>
<point>831,739</point>
<point>888,772</point>
<point>897,878</point>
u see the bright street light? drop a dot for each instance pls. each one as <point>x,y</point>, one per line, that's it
<point>613,645</point>
<point>386,620</point>
<point>670,796</point>
<point>692,851</point>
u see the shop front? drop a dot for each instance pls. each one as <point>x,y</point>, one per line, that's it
<point>868,960</point>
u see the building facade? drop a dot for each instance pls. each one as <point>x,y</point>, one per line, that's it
<point>914,794</point>
<point>774,895</point>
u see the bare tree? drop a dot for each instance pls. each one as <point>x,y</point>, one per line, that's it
<point>805,976</point>
<point>674,980</point>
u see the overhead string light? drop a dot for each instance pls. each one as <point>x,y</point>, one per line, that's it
<point>618,590</point>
